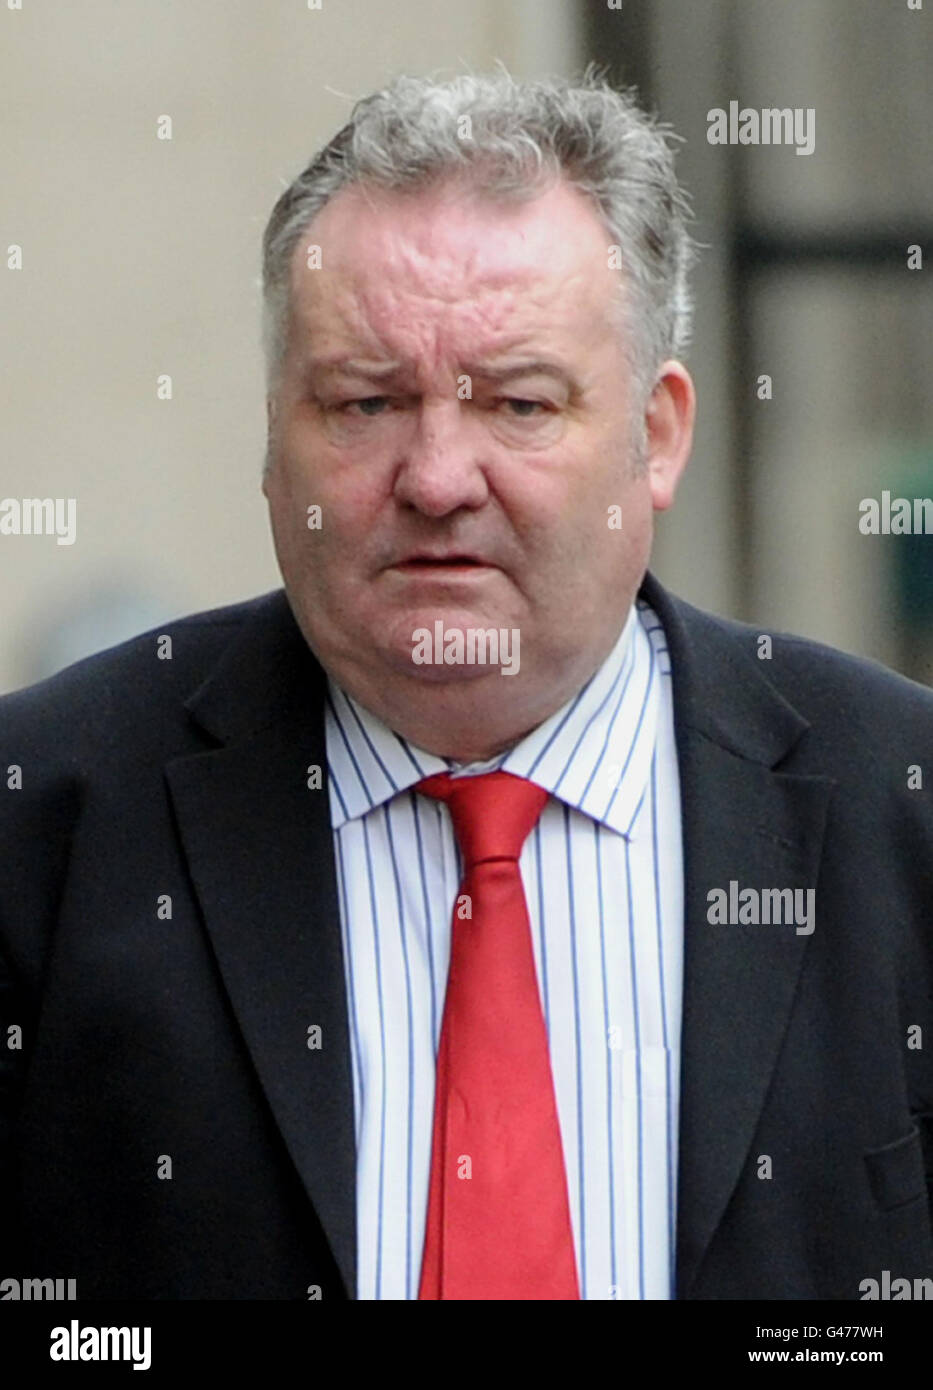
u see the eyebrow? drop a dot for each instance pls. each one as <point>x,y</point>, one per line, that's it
<point>515,370</point>
<point>353,366</point>
<point>383,371</point>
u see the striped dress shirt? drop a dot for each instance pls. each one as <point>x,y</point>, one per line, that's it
<point>603,878</point>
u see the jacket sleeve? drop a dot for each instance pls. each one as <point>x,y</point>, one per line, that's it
<point>13,1033</point>
<point>39,801</point>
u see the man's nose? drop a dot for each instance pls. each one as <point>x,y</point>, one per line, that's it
<point>440,469</point>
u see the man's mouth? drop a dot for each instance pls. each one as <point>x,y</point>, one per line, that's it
<point>428,563</point>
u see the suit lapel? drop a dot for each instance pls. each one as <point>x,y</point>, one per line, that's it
<point>744,821</point>
<point>259,847</point>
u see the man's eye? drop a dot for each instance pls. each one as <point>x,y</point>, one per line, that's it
<point>523,408</point>
<point>368,405</point>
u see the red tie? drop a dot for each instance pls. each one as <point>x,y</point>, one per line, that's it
<point>498,1222</point>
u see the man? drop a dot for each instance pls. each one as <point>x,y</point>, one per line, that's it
<point>473,919</point>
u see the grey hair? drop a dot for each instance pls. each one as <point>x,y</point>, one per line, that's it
<point>522,137</point>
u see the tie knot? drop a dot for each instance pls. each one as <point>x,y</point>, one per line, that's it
<point>492,814</point>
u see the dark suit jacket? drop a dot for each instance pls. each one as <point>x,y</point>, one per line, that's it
<point>146,1038</point>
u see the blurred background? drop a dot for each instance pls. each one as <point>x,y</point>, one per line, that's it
<point>139,261</point>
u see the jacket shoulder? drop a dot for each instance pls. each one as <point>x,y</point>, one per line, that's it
<point>96,737</point>
<point>807,671</point>
<point>865,723</point>
<point>131,680</point>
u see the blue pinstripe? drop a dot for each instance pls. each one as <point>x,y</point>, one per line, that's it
<point>411,1059</point>
<point>614,1262</point>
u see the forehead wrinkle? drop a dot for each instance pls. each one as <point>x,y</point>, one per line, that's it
<point>409,298</point>
<point>404,325</point>
<point>452,324</point>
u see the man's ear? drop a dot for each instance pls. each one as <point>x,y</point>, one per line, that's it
<point>669,419</point>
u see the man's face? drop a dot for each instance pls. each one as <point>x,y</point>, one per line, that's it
<point>456,399</point>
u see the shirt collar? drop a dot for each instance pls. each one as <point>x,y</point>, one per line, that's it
<point>594,753</point>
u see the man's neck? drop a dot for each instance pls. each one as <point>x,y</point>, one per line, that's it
<point>479,720</point>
